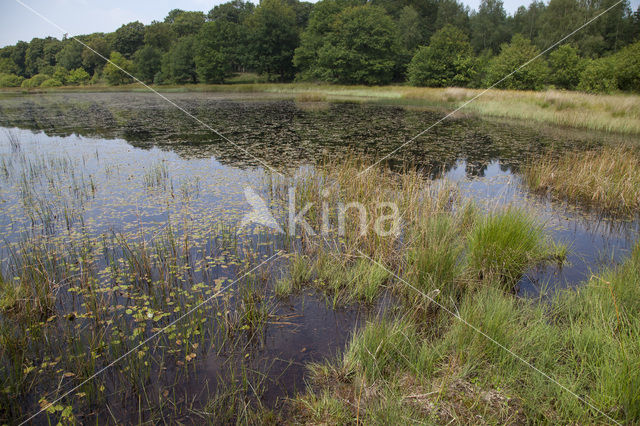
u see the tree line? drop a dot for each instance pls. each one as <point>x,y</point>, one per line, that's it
<point>435,43</point>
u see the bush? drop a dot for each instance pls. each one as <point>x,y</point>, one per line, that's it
<point>10,80</point>
<point>628,68</point>
<point>565,65</point>
<point>113,74</point>
<point>78,76</point>
<point>51,82</point>
<point>35,81</point>
<point>599,76</point>
<point>512,56</point>
<point>447,61</point>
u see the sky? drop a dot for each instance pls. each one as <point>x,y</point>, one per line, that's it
<point>89,16</point>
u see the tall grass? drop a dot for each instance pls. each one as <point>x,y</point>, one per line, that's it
<point>607,180</point>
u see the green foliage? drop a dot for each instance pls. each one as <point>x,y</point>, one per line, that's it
<point>61,74</point>
<point>129,38</point>
<point>78,77</point>
<point>599,76</point>
<point>489,27</point>
<point>447,61</point>
<point>628,68</point>
<point>158,35</point>
<point>565,66</point>
<point>235,11</point>
<point>70,57</point>
<point>513,55</point>
<point>147,63</point>
<point>214,51</point>
<point>92,61</point>
<point>320,24</point>
<point>187,23</point>
<point>51,82</point>
<point>274,37</point>
<point>35,81</point>
<point>112,71</point>
<point>178,64</point>
<point>7,66</point>
<point>10,80</point>
<point>361,48</point>
<point>409,25</point>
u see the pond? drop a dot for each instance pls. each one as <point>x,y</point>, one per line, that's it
<point>133,208</point>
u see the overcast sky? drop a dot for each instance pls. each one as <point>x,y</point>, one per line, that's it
<point>89,16</point>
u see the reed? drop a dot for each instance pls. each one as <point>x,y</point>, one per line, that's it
<point>607,180</point>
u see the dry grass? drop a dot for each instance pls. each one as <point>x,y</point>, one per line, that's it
<point>607,180</point>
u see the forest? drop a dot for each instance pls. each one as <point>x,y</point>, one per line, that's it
<point>434,43</point>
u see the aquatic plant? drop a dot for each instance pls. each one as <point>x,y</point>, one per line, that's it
<point>606,180</point>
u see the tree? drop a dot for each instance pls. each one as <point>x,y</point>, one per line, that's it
<point>565,65</point>
<point>215,50</point>
<point>489,26</point>
<point>187,23</point>
<point>112,71</point>
<point>178,65</point>
<point>236,11</point>
<point>362,47</point>
<point>513,55</point>
<point>147,61</point>
<point>313,37</point>
<point>528,21</point>
<point>409,25</point>
<point>159,35</point>
<point>7,66</point>
<point>92,61</point>
<point>40,56</point>
<point>129,38</point>
<point>18,57</point>
<point>70,57</point>
<point>273,38</point>
<point>447,61</point>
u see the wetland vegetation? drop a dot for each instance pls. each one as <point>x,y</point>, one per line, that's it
<point>130,294</point>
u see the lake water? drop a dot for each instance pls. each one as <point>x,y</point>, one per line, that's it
<point>98,167</point>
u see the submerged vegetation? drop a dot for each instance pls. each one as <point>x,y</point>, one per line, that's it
<point>607,180</point>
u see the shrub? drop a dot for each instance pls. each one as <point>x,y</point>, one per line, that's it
<point>35,81</point>
<point>447,61</point>
<point>51,82</point>
<point>628,68</point>
<point>512,56</point>
<point>10,80</point>
<point>599,76</point>
<point>78,76</point>
<point>113,74</point>
<point>565,65</point>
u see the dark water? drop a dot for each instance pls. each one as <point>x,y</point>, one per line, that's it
<point>89,159</point>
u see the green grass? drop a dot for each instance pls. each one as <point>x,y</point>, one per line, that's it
<point>502,246</point>
<point>585,339</point>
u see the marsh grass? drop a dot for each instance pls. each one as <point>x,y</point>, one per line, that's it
<point>607,180</point>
